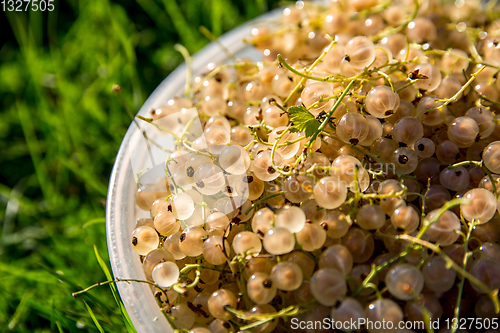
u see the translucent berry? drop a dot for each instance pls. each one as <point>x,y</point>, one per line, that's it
<point>463,131</point>
<point>338,257</point>
<point>279,241</point>
<point>287,276</point>
<point>247,242</point>
<point>144,240</point>
<point>218,302</point>
<point>491,157</point>
<point>165,274</point>
<point>311,237</point>
<point>404,281</point>
<point>383,309</point>
<point>438,277</point>
<point>382,102</point>
<point>327,286</point>
<point>215,250</point>
<point>290,217</point>
<point>352,128</point>
<point>443,230</point>
<point>370,217</point>
<point>405,218</point>
<point>261,288</point>
<point>482,206</point>
<point>330,193</point>
<point>360,52</point>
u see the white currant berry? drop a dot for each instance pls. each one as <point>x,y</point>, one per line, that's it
<point>360,52</point>
<point>382,102</point>
<point>144,240</point>
<point>165,274</point>
<point>279,241</point>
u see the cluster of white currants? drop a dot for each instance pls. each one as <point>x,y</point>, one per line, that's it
<point>357,176</point>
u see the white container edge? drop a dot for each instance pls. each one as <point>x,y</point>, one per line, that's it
<point>120,207</point>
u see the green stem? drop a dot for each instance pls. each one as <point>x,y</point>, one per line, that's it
<point>392,31</point>
<point>207,33</point>
<point>482,166</point>
<point>191,149</point>
<point>375,9</point>
<point>258,202</point>
<point>287,142</point>
<point>264,318</point>
<point>375,288</point>
<point>376,269</point>
<point>189,69</point>
<point>448,205</point>
<point>161,128</point>
<point>273,151</point>
<point>449,262</point>
<point>329,115</point>
<point>308,70</point>
<point>462,282</point>
<point>98,284</point>
<point>427,319</point>
<point>455,97</point>
<point>411,82</point>
<point>322,99</point>
<point>315,78</point>
<point>388,79</point>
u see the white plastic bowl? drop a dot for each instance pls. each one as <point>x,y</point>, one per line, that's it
<point>121,210</point>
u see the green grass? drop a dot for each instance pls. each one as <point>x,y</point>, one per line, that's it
<point>60,129</point>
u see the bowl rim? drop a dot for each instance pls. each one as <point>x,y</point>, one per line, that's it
<point>141,307</point>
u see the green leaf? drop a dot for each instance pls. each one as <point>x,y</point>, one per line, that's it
<point>94,319</point>
<point>94,221</point>
<point>74,286</point>
<point>303,120</point>
<point>59,328</point>
<point>126,319</point>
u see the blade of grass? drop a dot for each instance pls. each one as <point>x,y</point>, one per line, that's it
<point>34,149</point>
<point>114,290</point>
<point>94,221</point>
<point>217,18</point>
<point>31,60</point>
<point>156,13</point>
<point>75,286</point>
<point>123,37</point>
<point>262,6</point>
<point>83,173</point>
<point>59,328</point>
<point>94,319</point>
<point>189,36</point>
<point>4,308</point>
<point>71,125</point>
<point>21,310</point>
<point>58,318</point>
<point>230,15</point>
<point>25,274</point>
<point>38,307</point>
